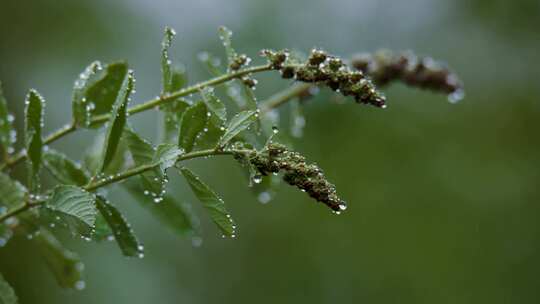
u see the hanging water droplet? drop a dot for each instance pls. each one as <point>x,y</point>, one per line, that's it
<point>343,207</point>
<point>257,178</point>
<point>456,96</point>
<point>275,130</point>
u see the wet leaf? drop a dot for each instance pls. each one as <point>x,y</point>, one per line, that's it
<point>12,193</point>
<point>214,104</point>
<point>63,263</point>
<point>123,234</point>
<point>238,123</point>
<point>211,202</point>
<point>75,206</point>
<point>117,121</point>
<point>193,123</point>
<point>33,127</point>
<point>225,35</point>
<point>65,170</point>
<point>7,294</point>
<point>171,212</point>
<point>166,156</point>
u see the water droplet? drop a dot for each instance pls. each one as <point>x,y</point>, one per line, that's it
<point>264,197</point>
<point>275,130</point>
<point>456,96</point>
<point>196,241</point>
<point>80,285</point>
<point>257,178</point>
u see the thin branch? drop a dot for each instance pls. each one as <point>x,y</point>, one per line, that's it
<point>122,176</point>
<point>284,96</point>
<point>150,104</point>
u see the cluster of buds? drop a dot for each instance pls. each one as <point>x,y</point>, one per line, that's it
<point>239,61</point>
<point>385,66</point>
<point>328,70</point>
<point>296,172</point>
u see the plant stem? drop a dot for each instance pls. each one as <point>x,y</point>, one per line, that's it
<point>187,91</point>
<point>284,96</point>
<point>150,104</point>
<point>21,155</point>
<point>125,175</point>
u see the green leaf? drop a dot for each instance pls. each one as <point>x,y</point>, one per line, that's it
<point>166,63</point>
<point>93,156</point>
<point>238,123</point>
<point>211,202</point>
<point>193,123</point>
<point>251,100</point>
<point>7,133</point>
<point>172,117</point>
<point>166,156</point>
<point>143,153</point>
<point>81,106</point>
<point>12,193</point>
<point>123,234</point>
<point>213,131</point>
<point>64,264</point>
<point>65,170</point>
<point>178,78</point>
<point>75,206</point>
<point>102,231</point>
<point>33,128</point>
<point>225,35</point>
<point>177,216</point>
<point>213,103</point>
<point>117,121</point>
<point>141,150</point>
<point>96,91</point>
<point>7,294</point>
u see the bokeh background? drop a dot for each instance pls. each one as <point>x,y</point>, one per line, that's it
<point>444,200</point>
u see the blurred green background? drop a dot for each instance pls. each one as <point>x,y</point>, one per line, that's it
<point>443,199</point>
